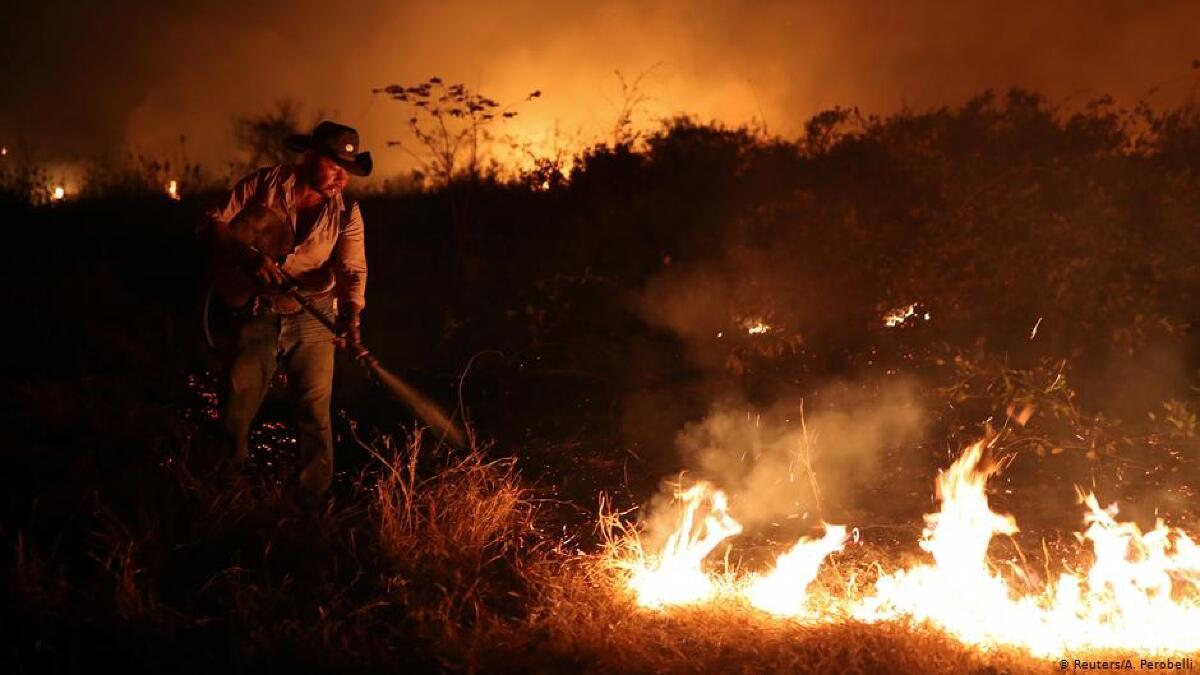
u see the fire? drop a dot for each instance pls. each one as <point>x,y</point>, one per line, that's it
<point>1125,601</point>
<point>784,590</point>
<point>173,190</point>
<point>1129,599</point>
<point>900,315</point>
<point>959,592</point>
<point>756,326</point>
<point>1141,591</point>
<point>58,193</point>
<point>676,576</point>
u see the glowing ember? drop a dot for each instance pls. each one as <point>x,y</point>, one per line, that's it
<point>676,577</point>
<point>173,190</point>
<point>784,591</point>
<point>58,193</point>
<point>3,151</point>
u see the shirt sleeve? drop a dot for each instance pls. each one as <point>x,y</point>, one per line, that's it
<point>350,261</point>
<point>235,201</point>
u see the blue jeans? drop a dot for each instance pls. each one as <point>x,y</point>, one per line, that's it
<point>305,349</point>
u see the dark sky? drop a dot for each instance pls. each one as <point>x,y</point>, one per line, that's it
<point>85,77</point>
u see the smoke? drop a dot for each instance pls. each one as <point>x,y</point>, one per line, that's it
<point>801,460</point>
<point>82,77</point>
<point>748,302</point>
<point>792,460</point>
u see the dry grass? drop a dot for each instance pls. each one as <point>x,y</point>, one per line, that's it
<point>472,512</point>
<point>579,617</point>
<point>583,620</point>
<point>597,632</point>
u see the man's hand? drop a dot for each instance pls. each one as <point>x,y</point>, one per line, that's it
<point>264,270</point>
<point>268,273</point>
<point>347,326</point>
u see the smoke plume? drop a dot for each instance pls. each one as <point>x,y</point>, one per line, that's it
<point>789,461</point>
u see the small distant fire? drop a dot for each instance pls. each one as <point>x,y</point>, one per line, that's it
<point>900,315</point>
<point>1141,591</point>
<point>58,193</point>
<point>173,190</point>
<point>756,326</point>
<point>3,152</point>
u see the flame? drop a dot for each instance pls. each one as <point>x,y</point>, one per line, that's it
<point>958,591</point>
<point>58,193</point>
<point>756,326</point>
<point>1129,598</point>
<point>1126,600</point>
<point>784,590</point>
<point>1140,592</point>
<point>899,315</point>
<point>676,576</point>
<point>173,190</point>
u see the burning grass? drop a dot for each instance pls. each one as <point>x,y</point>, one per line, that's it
<point>628,609</point>
<point>444,561</point>
<point>587,619</point>
<point>433,559</point>
<point>586,622</point>
<point>1135,596</point>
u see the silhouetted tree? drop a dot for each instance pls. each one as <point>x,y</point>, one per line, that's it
<point>633,97</point>
<point>260,137</point>
<point>449,121</point>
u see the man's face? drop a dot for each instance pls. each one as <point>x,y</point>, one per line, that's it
<point>326,176</point>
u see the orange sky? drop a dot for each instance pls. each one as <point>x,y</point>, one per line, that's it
<point>85,77</point>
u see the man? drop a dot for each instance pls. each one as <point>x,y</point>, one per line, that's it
<point>325,256</point>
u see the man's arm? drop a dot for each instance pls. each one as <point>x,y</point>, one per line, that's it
<point>215,229</point>
<point>350,271</point>
<point>217,219</point>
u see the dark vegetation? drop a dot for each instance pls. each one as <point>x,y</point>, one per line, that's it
<point>585,304</point>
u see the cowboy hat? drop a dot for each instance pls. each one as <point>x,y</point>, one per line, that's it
<point>335,141</point>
